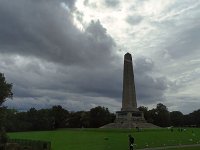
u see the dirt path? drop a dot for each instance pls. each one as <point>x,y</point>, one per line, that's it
<point>167,147</point>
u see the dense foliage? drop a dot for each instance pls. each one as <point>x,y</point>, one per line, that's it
<point>5,92</point>
<point>58,117</point>
<point>5,89</point>
<point>162,117</point>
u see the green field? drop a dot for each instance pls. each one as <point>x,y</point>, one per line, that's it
<point>112,139</point>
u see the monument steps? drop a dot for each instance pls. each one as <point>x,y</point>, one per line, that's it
<point>127,125</point>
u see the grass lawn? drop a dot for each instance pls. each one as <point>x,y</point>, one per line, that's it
<point>112,139</point>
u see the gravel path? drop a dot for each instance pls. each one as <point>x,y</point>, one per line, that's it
<point>167,147</point>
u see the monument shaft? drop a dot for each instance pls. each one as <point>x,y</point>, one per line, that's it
<point>128,97</point>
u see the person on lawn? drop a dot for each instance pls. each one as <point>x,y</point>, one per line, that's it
<point>131,142</point>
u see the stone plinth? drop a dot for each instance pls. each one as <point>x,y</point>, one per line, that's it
<point>129,125</point>
<point>129,116</point>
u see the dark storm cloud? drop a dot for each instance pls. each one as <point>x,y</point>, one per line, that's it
<point>46,30</point>
<point>149,88</point>
<point>37,78</point>
<point>112,3</point>
<point>99,82</point>
<point>48,81</point>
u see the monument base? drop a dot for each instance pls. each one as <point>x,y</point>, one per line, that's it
<point>129,116</point>
<point>129,125</point>
<point>129,119</point>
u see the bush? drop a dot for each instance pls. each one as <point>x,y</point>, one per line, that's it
<point>3,136</point>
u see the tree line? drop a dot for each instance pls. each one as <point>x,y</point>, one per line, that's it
<point>55,117</point>
<point>58,117</point>
<point>160,116</point>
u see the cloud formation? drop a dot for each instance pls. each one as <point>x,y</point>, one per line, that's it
<point>112,3</point>
<point>46,30</point>
<point>45,55</point>
<point>71,52</point>
<point>149,88</point>
<point>133,20</point>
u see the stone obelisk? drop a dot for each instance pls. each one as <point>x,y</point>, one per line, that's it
<point>129,102</point>
<point>129,116</point>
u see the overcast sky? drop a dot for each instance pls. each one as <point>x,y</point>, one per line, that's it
<point>70,52</point>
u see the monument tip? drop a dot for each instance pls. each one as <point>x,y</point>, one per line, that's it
<point>127,53</point>
<point>127,56</point>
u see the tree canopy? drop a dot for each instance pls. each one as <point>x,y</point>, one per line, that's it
<point>5,92</point>
<point>5,89</point>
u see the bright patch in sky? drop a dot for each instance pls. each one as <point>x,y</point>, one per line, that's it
<point>144,28</point>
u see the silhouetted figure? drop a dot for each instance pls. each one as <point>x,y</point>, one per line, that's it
<point>181,129</point>
<point>131,142</point>
<point>172,130</point>
<point>137,129</point>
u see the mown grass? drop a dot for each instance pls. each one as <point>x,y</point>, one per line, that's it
<point>112,139</point>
